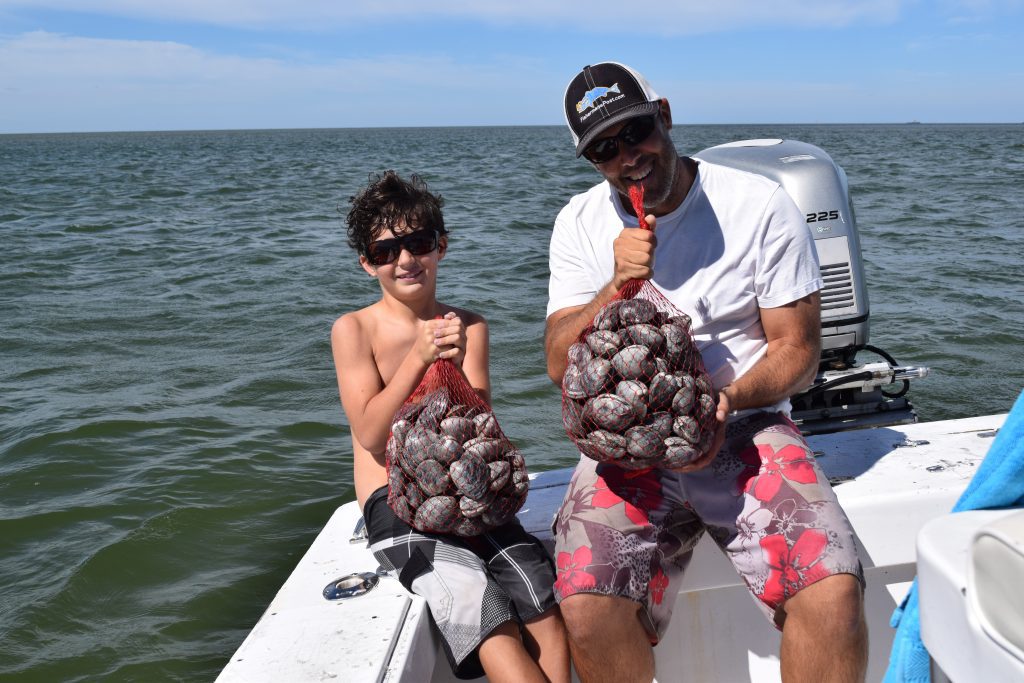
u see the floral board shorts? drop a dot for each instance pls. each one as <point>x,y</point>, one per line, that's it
<point>763,499</point>
<point>471,585</point>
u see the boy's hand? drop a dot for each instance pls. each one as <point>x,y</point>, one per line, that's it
<point>450,338</point>
<point>634,254</point>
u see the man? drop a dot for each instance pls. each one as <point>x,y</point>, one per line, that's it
<point>731,250</point>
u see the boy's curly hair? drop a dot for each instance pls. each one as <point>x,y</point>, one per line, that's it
<point>388,202</point>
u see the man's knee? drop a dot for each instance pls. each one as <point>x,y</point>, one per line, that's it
<point>592,615</point>
<point>837,599</point>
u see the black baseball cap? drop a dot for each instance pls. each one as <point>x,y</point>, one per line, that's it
<point>602,95</point>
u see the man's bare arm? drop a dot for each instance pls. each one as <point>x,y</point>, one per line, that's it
<point>793,332</point>
<point>634,259</point>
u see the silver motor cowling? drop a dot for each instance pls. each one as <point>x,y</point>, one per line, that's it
<point>818,186</point>
<point>845,394</point>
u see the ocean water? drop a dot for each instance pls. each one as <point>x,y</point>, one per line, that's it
<point>171,438</point>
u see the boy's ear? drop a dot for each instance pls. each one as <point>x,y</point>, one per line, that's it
<point>442,246</point>
<point>370,270</point>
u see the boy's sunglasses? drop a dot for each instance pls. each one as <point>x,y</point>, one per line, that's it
<point>417,243</point>
<point>633,133</point>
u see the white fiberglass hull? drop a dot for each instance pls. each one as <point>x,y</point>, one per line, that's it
<point>890,481</point>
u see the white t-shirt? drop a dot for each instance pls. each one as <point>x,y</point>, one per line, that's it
<point>737,243</point>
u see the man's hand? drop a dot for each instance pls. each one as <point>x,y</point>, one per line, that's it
<point>721,416</point>
<point>634,254</point>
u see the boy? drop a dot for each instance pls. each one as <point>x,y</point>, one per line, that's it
<point>490,596</point>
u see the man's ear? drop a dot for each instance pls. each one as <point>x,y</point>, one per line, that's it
<point>370,269</point>
<point>442,246</point>
<point>666,113</point>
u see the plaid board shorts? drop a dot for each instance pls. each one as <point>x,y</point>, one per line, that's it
<point>763,499</point>
<point>471,585</point>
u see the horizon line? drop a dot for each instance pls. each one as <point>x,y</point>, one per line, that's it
<point>495,125</point>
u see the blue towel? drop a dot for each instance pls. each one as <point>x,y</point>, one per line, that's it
<point>999,482</point>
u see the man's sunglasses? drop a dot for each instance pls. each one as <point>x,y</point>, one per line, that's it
<point>417,243</point>
<point>633,133</point>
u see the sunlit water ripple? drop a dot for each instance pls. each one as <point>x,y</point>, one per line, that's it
<point>170,434</point>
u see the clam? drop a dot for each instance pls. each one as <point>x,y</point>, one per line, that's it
<point>399,429</point>
<point>572,418</point>
<point>471,476</point>
<point>681,319</point>
<point>572,382</point>
<point>463,410</point>
<point>459,428</point>
<point>499,474</point>
<point>409,411</point>
<point>644,442</point>
<point>484,448</point>
<point>686,427</point>
<point>487,425</point>
<point>677,343</point>
<point>609,411</point>
<point>432,477</point>
<point>645,335</point>
<point>661,422</point>
<point>662,365</point>
<point>604,343</point>
<point>706,407</point>
<point>579,353</point>
<point>520,482</point>
<point>420,445</point>
<point>634,311</point>
<point>596,376</point>
<point>414,494</point>
<point>470,507</point>
<point>392,451</point>
<point>635,392</point>
<point>447,450</point>
<point>634,362</point>
<point>609,442</point>
<point>608,317</point>
<point>703,384</point>
<point>435,407</point>
<point>402,509</point>
<point>439,513</point>
<point>679,452</point>
<point>397,480</point>
<point>663,388</point>
<point>682,401</point>
<point>517,460</point>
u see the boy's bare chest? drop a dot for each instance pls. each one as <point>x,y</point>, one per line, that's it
<point>390,349</point>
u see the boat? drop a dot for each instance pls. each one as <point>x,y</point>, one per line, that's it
<point>339,616</point>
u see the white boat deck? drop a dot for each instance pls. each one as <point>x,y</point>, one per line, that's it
<point>890,481</point>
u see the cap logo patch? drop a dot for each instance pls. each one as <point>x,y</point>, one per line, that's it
<point>591,97</point>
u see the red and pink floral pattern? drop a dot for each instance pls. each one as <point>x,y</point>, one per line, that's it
<point>631,534</point>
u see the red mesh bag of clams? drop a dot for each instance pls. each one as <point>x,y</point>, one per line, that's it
<point>635,392</point>
<point>450,467</point>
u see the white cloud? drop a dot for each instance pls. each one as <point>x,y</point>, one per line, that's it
<point>50,82</point>
<point>666,17</point>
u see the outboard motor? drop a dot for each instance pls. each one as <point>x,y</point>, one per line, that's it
<point>845,394</point>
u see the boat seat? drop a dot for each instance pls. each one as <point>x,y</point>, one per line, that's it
<point>994,580</point>
<point>970,567</point>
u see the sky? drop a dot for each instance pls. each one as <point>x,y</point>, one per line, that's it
<point>128,65</point>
